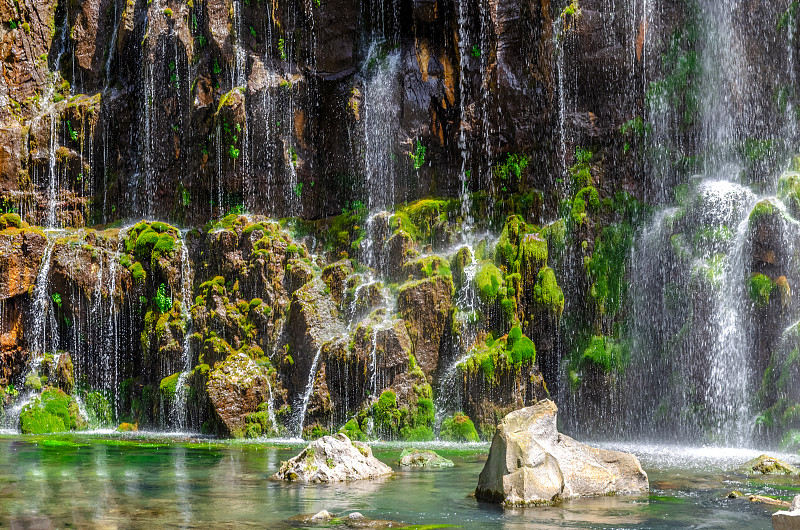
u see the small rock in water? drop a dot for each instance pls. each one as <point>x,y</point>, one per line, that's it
<point>788,520</point>
<point>735,494</point>
<point>355,516</point>
<point>422,458</point>
<point>531,463</point>
<point>768,465</point>
<point>322,516</point>
<point>768,500</point>
<point>333,459</point>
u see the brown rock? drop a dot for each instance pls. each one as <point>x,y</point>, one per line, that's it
<point>425,305</point>
<point>236,387</point>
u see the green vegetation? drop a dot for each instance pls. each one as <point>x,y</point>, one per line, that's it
<point>163,302</point>
<point>418,155</point>
<point>547,292</point>
<point>512,167</point>
<point>679,89</point>
<point>53,411</point>
<point>606,267</point>
<point>458,428</point>
<point>488,282</point>
<point>282,49</point>
<point>495,357</point>
<point>760,287</point>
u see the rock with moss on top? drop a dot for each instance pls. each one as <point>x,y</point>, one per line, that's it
<point>769,465</point>
<point>412,457</point>
<point>53,411</point>
<point>333,459</point>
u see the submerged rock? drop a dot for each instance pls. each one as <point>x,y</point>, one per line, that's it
<point>531,463</point>
<point>788,520</point>
<point>768,465</point>
<point>422,458</point>
<point>333,459</point>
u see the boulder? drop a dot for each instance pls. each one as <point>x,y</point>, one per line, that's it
<point>531,463</point>
<point>333,459</point>
<point>235,388</point>
<point>788,520</point>
<point>768,465</point>
<point>422,458</point>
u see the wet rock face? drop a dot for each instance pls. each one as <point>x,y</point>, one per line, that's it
<point>530,463</point>
<point>425,305</point>
<point>21,251</point>
<point>236,387</point>
<point>333,459</point>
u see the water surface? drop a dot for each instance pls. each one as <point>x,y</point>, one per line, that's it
<point>110,481</point>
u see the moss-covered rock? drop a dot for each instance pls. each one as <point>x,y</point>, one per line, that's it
<point>768,465</point>
<point>412,457</point>
<point>236,387</point>
<point>53,411</point>
<point>547,293</point>
<point>458,428</point>
<point>488,282</point>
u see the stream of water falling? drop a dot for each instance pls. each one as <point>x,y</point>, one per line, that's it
<point>312,375</point>
<point>381,120</point>
<point>179,410</point>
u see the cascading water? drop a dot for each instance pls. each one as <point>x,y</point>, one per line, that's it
<point>448,388</point>
<point>179,411</point>
<point>306,396</point>
<point>380,124</point>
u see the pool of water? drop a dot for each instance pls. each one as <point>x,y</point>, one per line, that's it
<point>106,480</point>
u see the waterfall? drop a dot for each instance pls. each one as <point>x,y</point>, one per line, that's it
<point>380,124</point>
<point>448,389</point>
<point>300,419</point>
<point>179,410</point>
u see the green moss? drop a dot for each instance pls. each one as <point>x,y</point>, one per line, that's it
<point>520,347</point>
<point>419,219</point>
<point>458,428</point>
<point>760,287</point>
<point>386,414</point>
<point>607,267</point>
<point>488,282</point>
<point>145,243</point>
<point>353,430</point>
<point>789,191</point>
<point>53,411</point>
<point>98,407</point>
<point>547,293</point>
<point>763,209</point>
<point>606,354</point>
<point>10,220</point>
<point>587,199</point>
<point>169,386</point>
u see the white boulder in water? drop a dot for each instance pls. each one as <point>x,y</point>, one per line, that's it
<point>788,520</point>
<point>531,463</point>
<point>333,459</point>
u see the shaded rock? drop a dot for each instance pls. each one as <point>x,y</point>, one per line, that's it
<point>64,377</point>
<point>333,459</point>
<point>422,458</point>
<point>531,463</point>
<point>235,388</point>
<point>768,465</point>
<point>399,250</point>
<point>788,520</point>
<point>425,305</point>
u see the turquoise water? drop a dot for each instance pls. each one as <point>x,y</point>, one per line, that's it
<point>110,481</point>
